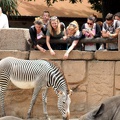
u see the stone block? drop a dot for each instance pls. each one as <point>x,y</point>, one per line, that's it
<point>14,39</point>
<point>117,68</point>
<point>101,67</point>
<point>14,53</point>
<point>75,54</point>
<point>117,82</point>
<point>100,80</point>
<point>107,55</point>
<point>75,71</point>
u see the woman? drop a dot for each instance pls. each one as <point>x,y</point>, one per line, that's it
<point>36,33</point>
<point>91,30</point>
<point>55,30</point>
<point>72,33</point>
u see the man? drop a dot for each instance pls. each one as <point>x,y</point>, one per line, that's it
<point>110,29</point>
<point>3,20</point>
<point>117,16</point>
<point>45,17</point>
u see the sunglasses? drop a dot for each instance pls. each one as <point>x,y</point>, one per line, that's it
<point>73,25</point>
<point>53,18</point>
<point>89,23</point>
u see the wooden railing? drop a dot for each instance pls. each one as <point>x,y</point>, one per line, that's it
<point>86,40</point>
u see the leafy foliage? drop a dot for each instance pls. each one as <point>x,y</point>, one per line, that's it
<point>9,7</point>
<point>50,2</point>
<point>96,5</point>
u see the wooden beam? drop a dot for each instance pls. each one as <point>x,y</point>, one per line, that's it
<point>119,41</point>
<point>86,40</point>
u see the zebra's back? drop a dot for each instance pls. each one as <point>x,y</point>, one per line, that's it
<point>25,73</point>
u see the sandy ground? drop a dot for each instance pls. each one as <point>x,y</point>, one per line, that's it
<point>42,118</point>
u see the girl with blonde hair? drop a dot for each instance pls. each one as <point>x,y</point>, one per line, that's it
<point>55,30</point>
<point>72,33</point>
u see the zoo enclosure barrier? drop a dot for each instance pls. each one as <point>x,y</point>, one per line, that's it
<point>85,40</point>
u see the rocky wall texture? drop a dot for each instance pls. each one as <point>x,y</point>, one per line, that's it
<point>14,39</point>
<point>93,77</point>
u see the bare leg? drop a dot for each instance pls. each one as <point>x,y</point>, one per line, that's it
<point>44,99</point>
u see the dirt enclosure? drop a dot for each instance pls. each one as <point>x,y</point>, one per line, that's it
<point>16,118</point>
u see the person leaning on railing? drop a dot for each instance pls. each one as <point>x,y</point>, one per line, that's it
<point>36,33</point>
<point>111,29</point>
<point>117,16</point>
<point>90,29</point>
<point>56,31</point>
<point>72,33</point>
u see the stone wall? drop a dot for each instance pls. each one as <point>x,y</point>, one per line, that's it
<point>93,76</point>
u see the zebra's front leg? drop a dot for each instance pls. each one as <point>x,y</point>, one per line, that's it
<point>3,87</point>
<point>44,100</point>
<point>2,104</point>
<point>34,96</point>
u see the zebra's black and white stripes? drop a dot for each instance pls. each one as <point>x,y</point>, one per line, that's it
<point>37,74</point>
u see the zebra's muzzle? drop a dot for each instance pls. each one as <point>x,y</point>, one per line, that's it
<point>67,118</point>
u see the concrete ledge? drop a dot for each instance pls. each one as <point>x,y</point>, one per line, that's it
<point>14,39</point>
<point>75,54</point>
<point>107,55</point>
<point>14,53</point>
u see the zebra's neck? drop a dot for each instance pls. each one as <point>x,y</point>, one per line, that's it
<point>58,89</point>
<point>57,80</point>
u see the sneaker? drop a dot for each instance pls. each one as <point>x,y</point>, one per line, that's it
<point>105,50</point>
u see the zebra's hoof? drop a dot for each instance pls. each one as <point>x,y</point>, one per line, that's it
<point>48,119</point>
<point>28,117</point>
<point>3,115</point>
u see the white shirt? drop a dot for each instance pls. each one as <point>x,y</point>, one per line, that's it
<point>90,46</point>
<point>40,35</point>
<point>4,21</point>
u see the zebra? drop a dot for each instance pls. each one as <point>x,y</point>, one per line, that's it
<point>35,74</point>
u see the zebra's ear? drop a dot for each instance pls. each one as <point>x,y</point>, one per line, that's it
<point>61,93</point>
<point>71,91</point>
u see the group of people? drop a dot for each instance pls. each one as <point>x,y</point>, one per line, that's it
<point>52,28</point>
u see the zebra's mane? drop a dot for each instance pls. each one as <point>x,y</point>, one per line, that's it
<point>56,65</point>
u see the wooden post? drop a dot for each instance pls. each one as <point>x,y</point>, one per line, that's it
<point>119,41</point>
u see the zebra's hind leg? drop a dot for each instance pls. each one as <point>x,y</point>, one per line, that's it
<point>34,96</point>
<point>44,100</point>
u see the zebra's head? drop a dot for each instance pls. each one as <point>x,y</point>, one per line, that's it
<point>64,105</point>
